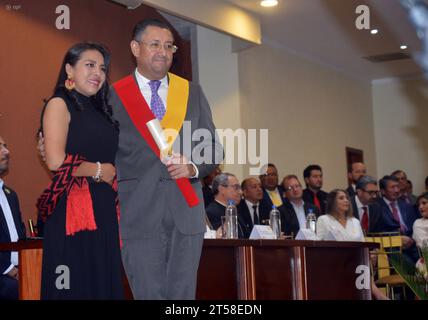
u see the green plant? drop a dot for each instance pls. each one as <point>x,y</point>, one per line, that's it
<point>416,278</point>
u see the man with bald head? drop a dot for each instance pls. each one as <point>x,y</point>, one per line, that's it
<point>355,172</point>
<point>252,209</point>
<point>12,229</point>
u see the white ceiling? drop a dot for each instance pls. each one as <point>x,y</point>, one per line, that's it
<point>325,31</point>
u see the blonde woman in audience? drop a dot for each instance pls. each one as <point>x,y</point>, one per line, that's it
<point>339,219</point>
<point>341,224</point>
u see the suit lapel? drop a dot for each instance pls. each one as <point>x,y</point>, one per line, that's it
<point>3,224</point>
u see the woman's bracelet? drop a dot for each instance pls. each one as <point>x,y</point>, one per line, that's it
<point>98,176</point>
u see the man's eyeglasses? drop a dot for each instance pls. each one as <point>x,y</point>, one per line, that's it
<point>234,186</point>
<point>157,46</point>
<point>372,193</point>
<point>293,188</point>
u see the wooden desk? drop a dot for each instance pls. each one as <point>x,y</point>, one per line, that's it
<point>281,269</point>
<point>247,269</point>
<point>30,254</point>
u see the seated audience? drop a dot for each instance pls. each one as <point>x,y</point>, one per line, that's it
<point>314,180</point>
<point>355,172</point>
<point>252,209</point>
<point>295,209</point>
<point>12,229</point>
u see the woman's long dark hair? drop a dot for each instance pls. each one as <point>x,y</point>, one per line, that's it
<point>101,98</point>
<point>330,207</point>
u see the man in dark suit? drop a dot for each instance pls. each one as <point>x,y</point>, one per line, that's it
<point>364,204</point>
<point>273,194</point>
<point>397,214</point>
<point>404,187</point>
<point>252,209</point>
<point>226,187</point>
<point>313,194</point>
<point>207,186</point>
<point>294,210</point>
<point>11,230</point>
<point>355,172</point>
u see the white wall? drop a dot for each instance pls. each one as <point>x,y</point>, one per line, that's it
<point>401,131</point>
<point>218,76</point>
<point>312,112</point>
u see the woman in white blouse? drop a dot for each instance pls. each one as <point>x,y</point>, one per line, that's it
<point>339,222</point>
<point>420,227</point>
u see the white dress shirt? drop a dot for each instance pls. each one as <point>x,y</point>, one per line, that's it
<point>251,209</point>
<point>360,207</point>
<point>146,91</point>
<point>10,226</point>
<point>143,84</point>
<point>351,232</point>
<point>300,213</point>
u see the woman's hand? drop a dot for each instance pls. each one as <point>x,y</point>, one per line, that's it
<point>108,172</point>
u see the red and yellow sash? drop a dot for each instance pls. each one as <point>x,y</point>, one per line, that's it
<point>140,113</point>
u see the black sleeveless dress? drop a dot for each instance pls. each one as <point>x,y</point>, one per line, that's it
<point>86,265</point>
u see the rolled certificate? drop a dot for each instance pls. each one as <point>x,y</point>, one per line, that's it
<point>158,135</point>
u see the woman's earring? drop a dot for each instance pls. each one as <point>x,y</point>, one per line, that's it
<point>69,83</point>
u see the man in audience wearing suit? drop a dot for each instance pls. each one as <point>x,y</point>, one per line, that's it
<point>225,187</point>
<point>273,194</point>
<point>11,230</point>
<point>252,209</point>
<point>404,187</point>
<point>355,172</point>
<point>313,194</point>
<point>397,214</point>
<point>364,204</point>
<point>207,186</point>
<point>295,209</point>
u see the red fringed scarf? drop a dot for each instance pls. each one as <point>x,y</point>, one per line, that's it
<point>79,212</point>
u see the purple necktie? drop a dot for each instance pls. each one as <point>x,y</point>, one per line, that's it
<point>156,103</point>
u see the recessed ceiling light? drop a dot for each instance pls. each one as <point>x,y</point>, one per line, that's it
<point>268,3</point>
<point>403,47</point>
<point>374,31</point>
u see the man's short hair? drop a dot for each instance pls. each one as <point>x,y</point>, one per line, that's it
<point>364,181</point>
<point>142,25</point>
<point>384,181</point>
<point>352,164</point>
<point>394,173</point>
<point>264,168</point>
<point>289,177</point>
<point>245,182</point>
<point>309,169</point>
<point>220,180</point>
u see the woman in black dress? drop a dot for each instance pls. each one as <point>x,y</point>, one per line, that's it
<point>81,249</point>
